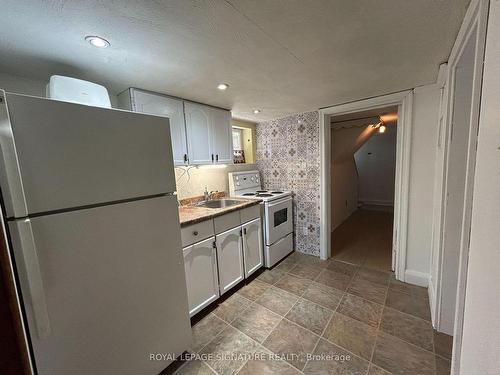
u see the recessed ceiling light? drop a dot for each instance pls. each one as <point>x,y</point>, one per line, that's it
<point>257,111</point>
<point>97,41</point>
<point>381,129</point>
<point>222,86</point>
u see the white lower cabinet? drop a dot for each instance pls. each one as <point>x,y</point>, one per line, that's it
<point>230,259</point>
<point>252,246</point>
<point>200,264</point>
<point>217,264</point>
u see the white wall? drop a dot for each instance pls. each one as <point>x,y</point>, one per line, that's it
<point>422,161</point>
<point>481,328</point>
<point>192,182</point>
<point>376,164</point>
<point>22,85</point>
<point>344,191</point>
<point>345,142</point>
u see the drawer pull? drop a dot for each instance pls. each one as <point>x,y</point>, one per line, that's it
<point>195,233</point>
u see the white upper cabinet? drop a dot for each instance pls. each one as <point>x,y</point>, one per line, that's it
<point>209,134</point>
<point>199,133</point>
<point>161,105</point>
<point>222,137</point>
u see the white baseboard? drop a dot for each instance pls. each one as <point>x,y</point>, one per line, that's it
<point>432,302</point>
<point>417,278</point>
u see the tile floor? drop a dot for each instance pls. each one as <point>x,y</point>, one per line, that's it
<point>313,317</point>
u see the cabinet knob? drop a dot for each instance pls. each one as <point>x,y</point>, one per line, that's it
<point>195,233</point>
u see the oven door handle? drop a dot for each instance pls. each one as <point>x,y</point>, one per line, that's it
<point>279,201</point>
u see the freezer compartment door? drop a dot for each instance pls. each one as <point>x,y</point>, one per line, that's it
<point>59,155</point>
<point>104,288</point>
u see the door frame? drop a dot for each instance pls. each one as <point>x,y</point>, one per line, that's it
<point>404,101</point>
<point>474,24</point>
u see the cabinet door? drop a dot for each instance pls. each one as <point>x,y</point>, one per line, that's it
<point>230,259</point>
<point>172,108</point>
<point>200,264</point>
<point>199,133</point>
<point>252,246</point>
<point>222,137</point>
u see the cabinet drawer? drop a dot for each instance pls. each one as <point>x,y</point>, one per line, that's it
<point>226,222</point>
<point>197,232</point>
<point>250,213</point>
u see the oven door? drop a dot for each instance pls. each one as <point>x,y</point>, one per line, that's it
<point>279,221</point>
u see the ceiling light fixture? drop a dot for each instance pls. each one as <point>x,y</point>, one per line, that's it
<point>97,41</point>
<point>222,86</point>
<point>382,129</point>
<point>256,111</point>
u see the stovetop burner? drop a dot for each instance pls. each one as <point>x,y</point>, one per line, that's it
<point>264,195</point>
<point>276,192</point>
<point>248,194</point>
<point>261,191</point>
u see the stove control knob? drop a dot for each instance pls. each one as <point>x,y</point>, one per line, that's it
<point>237,184</point>
<point>237,178</point>
<point>251,179</point>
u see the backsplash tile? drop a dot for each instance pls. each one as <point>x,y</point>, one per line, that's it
<point>288,158</point>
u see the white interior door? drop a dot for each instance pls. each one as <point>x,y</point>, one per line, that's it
<point>199,133</point>
<point>458,154</point>
<point>113,287</point>
<point>252,246</point>
<point>165,106</point>
<point>230,259</point>
<point>222,138</point>
<point>200,264</point>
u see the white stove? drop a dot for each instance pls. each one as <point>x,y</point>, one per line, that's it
<point>277,213</point>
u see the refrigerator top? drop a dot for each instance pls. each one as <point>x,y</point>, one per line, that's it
<point>57,155</point>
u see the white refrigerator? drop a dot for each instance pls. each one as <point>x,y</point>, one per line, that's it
<point>88,197</point>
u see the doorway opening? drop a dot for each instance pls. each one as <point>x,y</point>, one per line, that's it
<point>363,166</point>
<point>403,102</point>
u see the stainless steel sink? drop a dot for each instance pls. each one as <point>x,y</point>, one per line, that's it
<point>219,203</point>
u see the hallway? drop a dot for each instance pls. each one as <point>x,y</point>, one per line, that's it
<point>365,239</point>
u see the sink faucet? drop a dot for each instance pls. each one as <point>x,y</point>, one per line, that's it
<point>206,194</point>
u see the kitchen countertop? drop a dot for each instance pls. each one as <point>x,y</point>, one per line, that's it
<point>191,214</point>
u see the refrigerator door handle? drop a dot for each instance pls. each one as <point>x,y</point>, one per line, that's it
<point>33,278</point>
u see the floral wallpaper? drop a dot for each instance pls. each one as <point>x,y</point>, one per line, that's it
<point>288,158</point>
